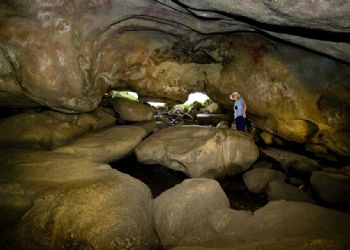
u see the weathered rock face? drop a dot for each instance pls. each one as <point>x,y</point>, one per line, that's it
<point>195,200</point>
<point>54,201</point>
<point>199,151</point>
<point>278,225</point>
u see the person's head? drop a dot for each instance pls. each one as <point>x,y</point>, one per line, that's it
<point>235,96</point>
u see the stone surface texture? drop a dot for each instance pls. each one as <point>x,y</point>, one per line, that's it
<point>133,111</point>
<point>277,190</point>
<point>291,162</point>
<point>199,151</point>
<point>277,225</point>
<point>195,200</point>
<point>332,187</point>
<point>106,145</point>
<point>257,179</point>
<point>54,201</point>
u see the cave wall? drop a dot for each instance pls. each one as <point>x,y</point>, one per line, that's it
<point>66,54</point>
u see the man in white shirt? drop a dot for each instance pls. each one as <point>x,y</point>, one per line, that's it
<point>239,110</point>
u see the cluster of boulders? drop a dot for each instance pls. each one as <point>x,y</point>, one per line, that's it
<point>56,190</point>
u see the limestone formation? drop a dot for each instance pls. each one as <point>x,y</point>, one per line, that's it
<point>133,111</point>
<point>199,151</point>
<point>278,225</point>
<point>106,145</point>
<point>195,200</point>
<point>332,187</point>
<point>56,201</point>
<point>257,180</point>
<point>277,190</point>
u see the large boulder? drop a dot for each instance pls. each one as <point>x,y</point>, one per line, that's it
<point>277,190</point>
<point>106,145</point>
<point>199,151</point>
<point>133,111</point>
<point>195,200</point>
<point>292,162</point>
<point>257,179</point>
<point>277,225</point>
<point>332,187</point>
<point>55,201</point>
<point>37,130</point>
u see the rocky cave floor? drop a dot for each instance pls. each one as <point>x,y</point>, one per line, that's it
<point>159,179</point>
<point>172,178</point>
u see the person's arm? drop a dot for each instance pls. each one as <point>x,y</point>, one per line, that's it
<point>244,110</point>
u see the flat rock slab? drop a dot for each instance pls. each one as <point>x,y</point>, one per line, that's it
<point>256,180</point>
<point>56,201</point>
<point>183,208</point>
<point>291,161</point>
<point>332,187</point>
<point>199,151</point>
<point>277,225</point>
<point>106,145</point>
<point>277,190</point>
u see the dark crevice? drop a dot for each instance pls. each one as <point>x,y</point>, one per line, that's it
<point>159,179</point>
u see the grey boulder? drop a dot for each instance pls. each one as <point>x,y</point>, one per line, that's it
<point>184,208</point>
<point>199,151</point>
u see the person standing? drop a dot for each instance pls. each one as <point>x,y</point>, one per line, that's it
<point>239,110</point>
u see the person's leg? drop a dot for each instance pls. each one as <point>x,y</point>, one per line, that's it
<point>240,124</point>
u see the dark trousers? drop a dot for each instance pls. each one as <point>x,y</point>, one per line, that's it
<point>240,123</point>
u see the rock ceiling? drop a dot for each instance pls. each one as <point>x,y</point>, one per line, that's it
<point>290,59</point>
